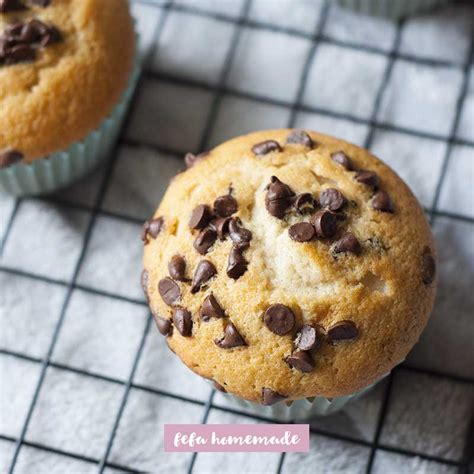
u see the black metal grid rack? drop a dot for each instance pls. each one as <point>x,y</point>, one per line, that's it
<point>220,90</point>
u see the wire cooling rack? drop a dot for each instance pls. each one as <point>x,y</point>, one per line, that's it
<point>387,448</point>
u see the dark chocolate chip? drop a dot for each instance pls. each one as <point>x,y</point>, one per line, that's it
<point>40,3</point>
<point>191,159</point>
<point>332,199</point>
<point>239,235</point>
<point>307,338</point>
<point>177,268</point>
<point>221,226</point>
<point>237,265</point>
<point>279,319</point>
<point>382,202</point>
<point>200,217</point>
<point>270,397</point>
<point>205,270</point>
<point>342,159</point>
<point>144,283</point>
<point>32,31</point>
<point>225,206</point>
<point>347,243</point>
<point>300,137</point>
<point>304,203</point>
<point>183,321</point>
<point>301,232</point>
<point>211,308</point>
<point>428,267</point>
<point>325,224</point>
<point>152,228</point>
<point>163,325</point>
<point>53,35</point>
<point>169,291</point>
<point>278,197</point>
<point>20,53</point>
<point>10,157</point>
<point>7,6</point>
<point>205,240</point>
<point>301,360</point>
<point>369,178</point>
<point>265,147</point>
<point>231,338</point>
<point>341,331</point>
<point>219,387</point>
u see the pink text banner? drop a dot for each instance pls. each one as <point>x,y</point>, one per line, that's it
<point>237,438</point>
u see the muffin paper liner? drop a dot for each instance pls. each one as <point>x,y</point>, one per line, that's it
<point>391,8</point>
<point>300,409</point>
<point>60,169</point>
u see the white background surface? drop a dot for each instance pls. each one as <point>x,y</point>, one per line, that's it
<point>71,262</point>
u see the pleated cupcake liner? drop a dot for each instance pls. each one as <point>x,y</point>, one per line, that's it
<point>393,9</point>
<point>62,168</point>
<point>299,410</point>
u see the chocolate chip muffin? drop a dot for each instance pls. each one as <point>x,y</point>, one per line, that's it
<point>286,264</point>
<point>64,65</point>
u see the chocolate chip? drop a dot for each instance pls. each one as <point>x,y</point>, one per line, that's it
<point>53,35</point>
<point>7,6</point>
<point>324,223</point>
<point>231,338</point>
<point>279,319</point>
<point>304,203</point>
<point>205,240</point>
<point>342,159</point>
<point>236,265</point>
<point>301,232</point>
<point>205,270</point>
<point>270,397</point>
<point>225,206</point>
<point>278,197</point>
<point>177,268</point>
<point>382,202</point>
<point>40,3</point>
<point>265,147</point>
<point>300,137</point>
<point>239,235</point>
<point>32,31</point>
<point>307,338</point>
<point>347,243</point>
<point>152,228</point>
<point>221,226</point>
<point>183,321</point>
<point>301,360</point>
<point>332,199</point>
<point>10,157</point>
<point>163,325</point>
<point>20,53</point>
<point>169,291</point>
<point>211,308</point>
<point>191,159</point>
<point>219,387</point>
<point>200,217</point>
<point>341,331</point>
<point>428,267</point>
<point>144,283</point>
<point>369,178</point>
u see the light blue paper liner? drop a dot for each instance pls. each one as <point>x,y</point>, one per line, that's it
<point>394,9</point>
<point>299,410</point>
<point>60,169</point>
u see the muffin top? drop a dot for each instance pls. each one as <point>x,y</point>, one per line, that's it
<point>287,264</point>
<point>63,65</point>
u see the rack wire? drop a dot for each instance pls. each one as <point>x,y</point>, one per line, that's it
<point>219,91</point>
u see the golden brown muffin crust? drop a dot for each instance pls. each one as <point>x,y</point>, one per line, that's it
<point>72,85</point>
<point>381,289</point>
